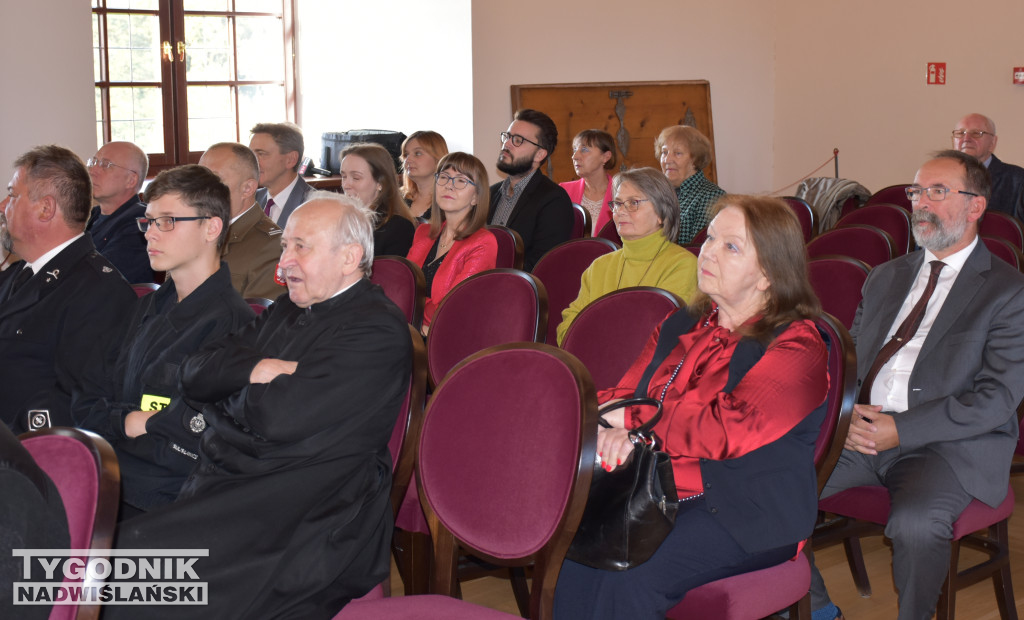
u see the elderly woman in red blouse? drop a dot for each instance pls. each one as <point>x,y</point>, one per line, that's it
<point>455,243</point>
<point>742,376</point>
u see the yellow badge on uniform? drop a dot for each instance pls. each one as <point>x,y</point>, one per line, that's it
<point>152,402</point>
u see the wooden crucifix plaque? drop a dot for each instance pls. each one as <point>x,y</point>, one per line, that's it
<point>634,113</point>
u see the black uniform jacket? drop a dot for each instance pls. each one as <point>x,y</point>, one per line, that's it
<point>139,371</point>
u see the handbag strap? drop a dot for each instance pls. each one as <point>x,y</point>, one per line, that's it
<point>672,328</point>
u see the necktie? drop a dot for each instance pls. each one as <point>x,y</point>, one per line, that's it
<point>21,278</point>
<point>270,204</point>
<point>903,334</point>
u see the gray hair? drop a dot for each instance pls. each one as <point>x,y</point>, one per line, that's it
<point>355,224</point>
<point>653,184</point>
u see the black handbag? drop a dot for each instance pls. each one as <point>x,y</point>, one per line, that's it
<point>631,509</point>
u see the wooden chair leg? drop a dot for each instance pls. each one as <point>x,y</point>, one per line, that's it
<point>946,608</point>
<point>1001,579</point>
<point>855,558</point>
<point>801,610</point>
<point>412,552</point>
<point>517,575</point>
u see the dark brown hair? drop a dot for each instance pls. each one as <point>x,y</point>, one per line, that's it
<point>382,167</point>
<point>601,140</point>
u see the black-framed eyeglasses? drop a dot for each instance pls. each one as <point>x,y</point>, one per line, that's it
<point>165,223</point>
<point>934,193</point>
<point>95,162</point>
<point>976,133</point>
<point>629,205</point>
<point>443,180</point>
<point>516,139</point>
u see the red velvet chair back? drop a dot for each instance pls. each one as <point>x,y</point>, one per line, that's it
<point>486,309</point>
<point>1000,225</point>
<point>605,342</point>
<point>804,213</point>
<point>84,469</point>
<point>259,304</point>
<point>894,195</point>
<point>699,238</point>
<point>890,218</point>
<point>1004,250</point>
<point>561,269</point>
<point>609,232</point>
<point>406,434</point>
<point>510,247</point>
<point>838,280</point>
<point>403,283</point>
<point>505,471</point>
<point>842,394</point>
<point>144,288</point>
<point>867,243</point>
<point>582,222</point>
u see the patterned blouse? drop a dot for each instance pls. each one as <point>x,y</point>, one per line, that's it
<point>696,195</point>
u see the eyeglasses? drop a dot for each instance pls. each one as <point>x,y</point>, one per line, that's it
<point>443,180</point>
<point>164,223</point>
<point>628,205</point>
<point>935,193</point>
<point>976,134</point>
<point>516,139</point>
<point>94,162</point>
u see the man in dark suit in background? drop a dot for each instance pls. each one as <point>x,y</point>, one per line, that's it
<point>936,423</point>
<point>279,148</point>
<point>54,304</point>
<point>529,203</point>
<point>118,170</point>
<point>976,135</point>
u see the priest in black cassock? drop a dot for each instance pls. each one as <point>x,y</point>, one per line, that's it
<point>291,493</point>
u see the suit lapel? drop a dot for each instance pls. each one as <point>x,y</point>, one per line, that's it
<point>55,272</point>
<point>893,294</point>
<point>966,286</point>
<point>524,199</point>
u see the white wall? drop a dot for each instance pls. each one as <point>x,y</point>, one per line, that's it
<point>387,64</point>
<point>730,43</point>
<point>852,75</point>
<point>46,76</point>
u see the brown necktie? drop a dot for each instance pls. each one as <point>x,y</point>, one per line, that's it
<point>903,334</point>
<point>270,203</point>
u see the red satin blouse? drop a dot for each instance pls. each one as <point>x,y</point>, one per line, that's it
<point>701,421</point>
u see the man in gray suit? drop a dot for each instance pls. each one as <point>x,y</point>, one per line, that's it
<point>937,421</point>
<point>279,148</point>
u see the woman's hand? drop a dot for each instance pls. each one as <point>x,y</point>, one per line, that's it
<point>270,368</point>
<point>616,418</point>
<point>613,447</point>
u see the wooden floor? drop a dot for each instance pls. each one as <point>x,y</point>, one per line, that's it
<point>975,603</point>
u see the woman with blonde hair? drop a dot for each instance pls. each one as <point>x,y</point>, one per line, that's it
<point>420,153</point>
<point>684,152</point>
<point>456,243</point>
<point>368,173</point>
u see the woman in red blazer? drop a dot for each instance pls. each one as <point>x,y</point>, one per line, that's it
<point>455,243</point>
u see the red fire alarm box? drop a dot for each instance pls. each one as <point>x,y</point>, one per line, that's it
<point>936,73</point>
<point>1018,75</point>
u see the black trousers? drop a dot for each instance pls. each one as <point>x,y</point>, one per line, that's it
<point>697,551</point>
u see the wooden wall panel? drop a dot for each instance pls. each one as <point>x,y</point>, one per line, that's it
<point>633,112</point>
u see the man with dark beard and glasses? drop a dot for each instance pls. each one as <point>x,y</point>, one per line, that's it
<point>940,367</point>
<point>529,203</point>
<point>56,304</point>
